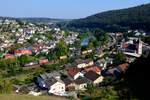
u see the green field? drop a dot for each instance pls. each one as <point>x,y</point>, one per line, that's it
<point>28,97</point>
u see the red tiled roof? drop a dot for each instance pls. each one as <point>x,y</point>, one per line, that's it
<point>72,71</point>
<point>125,45</point>
<point>95,69</point>
<point>91,75</point>
<point>123,67</point>
<point>43,61</point>
<point>9,56</point>
<point>23,51</point>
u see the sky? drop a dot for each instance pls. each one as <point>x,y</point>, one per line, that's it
<point>64,9</point>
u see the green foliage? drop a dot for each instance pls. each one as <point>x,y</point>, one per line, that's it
<point>146,39</point>
<point>11,66</point>
<point>52,67</point>
<point>15,47</point>
<point>61,49</point>
<point>82,36</point>
<point>26,59</point>
<point>66,33</point>
<point>49,36</point>
<point>15,81</point>
<point>31,41</point>
<point>77,44</point>
<point>103,38</point>
<point>117,20</point>
<point>52,55</point>
<point>95,42</point>
<point>99,93</point>
<point>5,87</point>
<point>119,58</point>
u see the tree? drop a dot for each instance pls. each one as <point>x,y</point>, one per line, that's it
<point>15,47</point>
<point>61,48</point>
<point>49,36</point>
<point>31,40</point>
<point>5,87</point>
<point>119,58</point>
<point>91,89</point>
<point>137,77</point>
<point>90,45</point>
<point>146,39</point>
<point>99,93</point>
<point>95,42</point>
<point>52,55</point>
<point>25,59</point>
<point>11,66</point>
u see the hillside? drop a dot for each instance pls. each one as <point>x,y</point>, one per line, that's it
<point>135,17</point>
<point>41,20</point>
<point>28,97</point>
<point>35,20</point>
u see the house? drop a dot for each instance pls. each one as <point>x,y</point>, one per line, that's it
<point>80,63</point>
<point>84,52</point>
<point>88,62</point>
<point>95,69</point>
<point>81,83</point>
<point>42,78</point>
<point>123,67</point>
<point>31,64</point>
<point>112,72</point>
<point>74,72</point>
<point>51,82</point>
<point>132,48</point>
<point>117,71</point>
<point>62,57</point>
<point>35,93</point>
<point>69,84</point>
<point>93,77</point>
<point>43,61</point>
<point>87,51</point>
<point>20,52</point>
<point>84,63</point>
<point>8,56</point>
<point>119,34</point>
<point>16,88</point>
<point>55,86</point>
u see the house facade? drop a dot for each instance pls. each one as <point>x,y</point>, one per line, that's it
<point>58,87</point>
<point>94,77</point>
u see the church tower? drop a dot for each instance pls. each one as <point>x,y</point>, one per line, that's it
<point>139,47</point>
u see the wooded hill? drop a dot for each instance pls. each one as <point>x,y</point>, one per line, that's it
<point>115,20</point>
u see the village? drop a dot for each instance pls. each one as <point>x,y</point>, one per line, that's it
<point>70,62</point>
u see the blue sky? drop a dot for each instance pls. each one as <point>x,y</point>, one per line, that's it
<point>67,9</point>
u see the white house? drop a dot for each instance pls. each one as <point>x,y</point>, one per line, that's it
<point>55,86</point>
<point>85,63</point>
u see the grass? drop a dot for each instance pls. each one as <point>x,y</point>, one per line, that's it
<point>28,97</point>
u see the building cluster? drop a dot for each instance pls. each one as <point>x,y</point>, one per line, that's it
<point>33,38</point>
<point>74,77</point>
<point>133,47</point>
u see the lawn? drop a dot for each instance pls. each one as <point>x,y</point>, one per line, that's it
<point>28,97</point>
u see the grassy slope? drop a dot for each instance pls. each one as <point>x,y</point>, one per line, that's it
<point>28,97</point>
